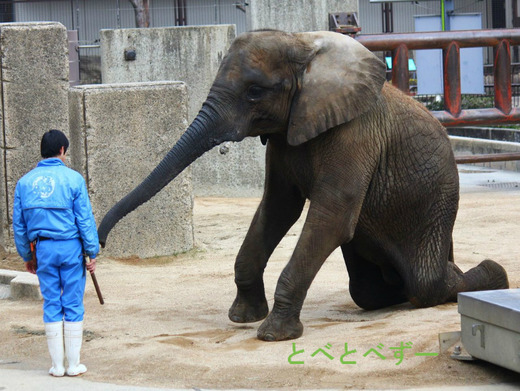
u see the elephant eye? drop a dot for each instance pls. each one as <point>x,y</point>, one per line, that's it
<point>255,92</point>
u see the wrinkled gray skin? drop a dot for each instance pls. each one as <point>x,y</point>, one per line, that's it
<point>377,168</point>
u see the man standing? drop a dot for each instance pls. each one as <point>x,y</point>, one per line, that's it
<point>52,212</point>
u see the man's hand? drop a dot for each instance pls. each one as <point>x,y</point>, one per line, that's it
<point>30,267</point>
<point>91,265</point>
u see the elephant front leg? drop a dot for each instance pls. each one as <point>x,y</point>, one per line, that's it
<point>250,304</point>
<point>275,215</point>
<point>284,320</point>
<point>314,246</point>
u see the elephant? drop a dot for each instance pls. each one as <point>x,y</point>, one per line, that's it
<point>376,168</point>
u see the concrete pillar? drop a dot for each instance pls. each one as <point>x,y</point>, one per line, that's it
<point>34,79</point>
<point>189,54</point>
<point>119,133</point>
<point>297,15</point>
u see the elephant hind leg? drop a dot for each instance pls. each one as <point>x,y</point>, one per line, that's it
<point>488,275</point>
<point>369,286</point>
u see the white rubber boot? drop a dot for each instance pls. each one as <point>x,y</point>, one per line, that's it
<point>54,333</point>
<point>73,332</point>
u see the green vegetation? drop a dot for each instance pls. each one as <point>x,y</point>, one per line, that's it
<point>436,102</point>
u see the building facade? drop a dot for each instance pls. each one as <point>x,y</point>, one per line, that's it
<point>88,17</point>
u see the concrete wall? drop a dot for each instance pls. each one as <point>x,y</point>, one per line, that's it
<point>296,15</point>
<point>463,146</point>
<point>496,134</point>
<point>189,54</point>
<point>193,55</point>
<point>119,133</point>
<point>34,83</point>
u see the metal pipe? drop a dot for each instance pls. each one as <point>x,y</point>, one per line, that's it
<point>440,40</point>
<point>486,158</point>
<point>502,77</point>
<point>400,74</point>
<point>72,14</point>
<point>478,117</point>
<point>452,92</point>
<point>118,14</point>
<point>89,46</point>
<point>443,16</point>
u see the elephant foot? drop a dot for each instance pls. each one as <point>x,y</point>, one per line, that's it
<point>248,309</point>
<point>276,328</point>
<point>488,275</point>
<point>492,275</point>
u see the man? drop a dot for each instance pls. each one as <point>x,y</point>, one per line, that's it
<point>52,210</point>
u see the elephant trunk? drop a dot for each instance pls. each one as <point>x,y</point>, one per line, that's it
<point>197,140</point>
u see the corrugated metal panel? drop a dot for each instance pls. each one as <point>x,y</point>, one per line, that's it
<point>51,11</point>
<point>31,12</point>
<point>93,16</point>
<point>204,12</point>
<point>472,6</point>
<point>201,12</point>
<point>404,14</point>
<point>75,15</point>
<point>231,14</point>
<point>162,13</point>
<point>90,16</point>
<point>369,17</point>
<point>198,12</point>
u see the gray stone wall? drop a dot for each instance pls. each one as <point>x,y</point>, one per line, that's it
<point>296,15</point>
<point>119,133</point>
<point>34,83</point>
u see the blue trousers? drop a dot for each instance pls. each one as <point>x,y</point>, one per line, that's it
<point>62,276</point>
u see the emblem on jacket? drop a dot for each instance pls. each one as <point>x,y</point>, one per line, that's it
<point>44,186</point>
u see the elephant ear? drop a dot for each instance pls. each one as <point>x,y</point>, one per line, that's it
<point>342,81</point>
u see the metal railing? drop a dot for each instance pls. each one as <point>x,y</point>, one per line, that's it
<point>451,42</point>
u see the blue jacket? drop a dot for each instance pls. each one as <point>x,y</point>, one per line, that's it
<point>52,201</point>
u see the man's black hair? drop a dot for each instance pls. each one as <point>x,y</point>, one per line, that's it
<point>52,141</point>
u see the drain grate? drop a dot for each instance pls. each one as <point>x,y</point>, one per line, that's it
<point>502,185</point>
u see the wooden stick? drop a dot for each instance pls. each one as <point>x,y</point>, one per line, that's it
<point>98,291</point>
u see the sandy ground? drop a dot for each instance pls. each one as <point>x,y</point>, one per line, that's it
<point>165,321</point>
